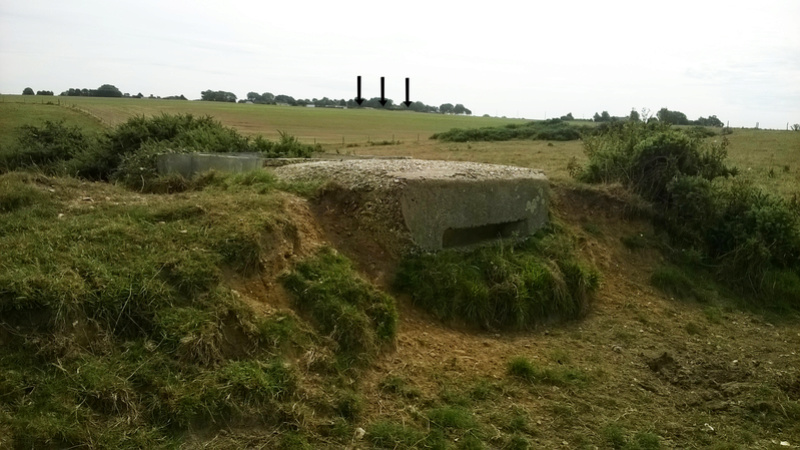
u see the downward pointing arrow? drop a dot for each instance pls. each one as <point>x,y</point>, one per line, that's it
<point>407,102</point>
<point>383,97</point>
<point>359,100</point>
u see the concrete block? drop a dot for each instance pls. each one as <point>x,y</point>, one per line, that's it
<point>190,164</point>
<point>443,213</point>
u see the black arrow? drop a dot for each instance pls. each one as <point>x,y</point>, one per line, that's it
<point>407,102</point>
<point>359,100</point>
<point>383,97</point>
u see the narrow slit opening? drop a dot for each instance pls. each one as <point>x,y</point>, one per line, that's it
<point>462,237</point>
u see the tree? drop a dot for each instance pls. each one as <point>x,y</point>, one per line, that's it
<point>27,91</point>
<point>711,121</point>
<point>287,99</point>
<point>634,116</point>
<point>218,96</point>
<point>672,117</point>
<point>568,117</point>
<point>44,92</point>
<point>459,109</point>
<point>107,90</point>
<point>597,117</point>
<point>446,108</point>
<point>796,127</point>
<point>375,102</point>
<point>606,117</point>
<point>254,96</point>
<point>268,97</point>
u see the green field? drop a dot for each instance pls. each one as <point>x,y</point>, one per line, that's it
<point>325,125</point>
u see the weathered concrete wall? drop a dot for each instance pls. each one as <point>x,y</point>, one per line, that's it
<point>190,164</point>
<point>443,213</point>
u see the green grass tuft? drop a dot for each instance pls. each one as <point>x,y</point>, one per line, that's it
<point>500,286</point>
<point>358,317</point>
<point>392,435</point>
<point>452,417</point>
<point>529,371</point>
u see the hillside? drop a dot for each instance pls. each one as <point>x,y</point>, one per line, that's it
<point>169,320</point>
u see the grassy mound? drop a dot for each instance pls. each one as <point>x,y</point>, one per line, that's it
<point>116,327</point>
<point>501,286</point>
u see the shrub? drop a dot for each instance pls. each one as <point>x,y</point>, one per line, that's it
<point>740,232</point>
<point>128,152</point>
<point>46,147</point>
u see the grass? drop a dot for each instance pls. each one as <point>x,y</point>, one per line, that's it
<point>501,286</point>
<point>358,317</point>
<point>121,319</point>
<point>525,369</point>
<point>674,281</point>
<point>390,435</point>
<point>616,438</point>
<point>14,114</point>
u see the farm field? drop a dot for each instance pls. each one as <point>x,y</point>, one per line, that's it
<point>325,125</point>
<point>770,158</point>
<point>642,369</point>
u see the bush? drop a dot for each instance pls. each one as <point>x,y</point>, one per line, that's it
<point>646,158</point>
<point>128,153</point>
<point>46,147</point>
<point>740,232</point>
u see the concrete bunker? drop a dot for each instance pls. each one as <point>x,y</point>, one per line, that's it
<point>434,204</point>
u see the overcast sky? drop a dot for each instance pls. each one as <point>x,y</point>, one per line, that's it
<point>739,60</point>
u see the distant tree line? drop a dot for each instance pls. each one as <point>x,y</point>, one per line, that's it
<point>217,96</point>
<point>29,91</point>
<point>663,115</point>
<point>106,90</point>
<point>268,98</point>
